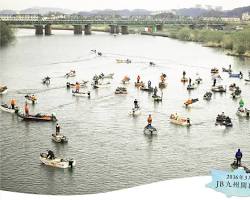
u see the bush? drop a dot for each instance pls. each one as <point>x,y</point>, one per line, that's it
<point>184,34</point>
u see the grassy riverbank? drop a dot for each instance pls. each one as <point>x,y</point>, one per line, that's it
<point>6,34</point>
<point>237,42</point>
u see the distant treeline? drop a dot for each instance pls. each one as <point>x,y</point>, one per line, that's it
<point>6,34</point>
<point>237,41</point>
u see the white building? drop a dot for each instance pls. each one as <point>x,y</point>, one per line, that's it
<point>245,16</point>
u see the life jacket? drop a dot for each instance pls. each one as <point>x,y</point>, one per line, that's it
<point>77,86</point>
<point>13,102</point>
<point>149,120</point>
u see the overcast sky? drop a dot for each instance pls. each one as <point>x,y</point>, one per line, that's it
<point>120,4</point>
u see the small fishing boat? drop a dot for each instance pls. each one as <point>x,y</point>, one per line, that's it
<point>140,84</point>
<point>59,138</point>
<point>101,85</point>
<point>232,87</point>
<point>121,90</point>
<point>198,80</point>
<point>229,70</point>
<point>162,84</point>
<point>81,94</point>
<point>149,89</point>
<point>184,80</point>
<point>108,76</point>
<point>239,75</point>
<point>218,88</point>
<point>182,121</point>
<point>57,162</point>
<point>190,101</point>
<point>135,111</point>
<point>157,98</point>
<point>72,85</point>
<point>241,112</point>
<point>207,96</point>
<point>72,73</point>
<point>31,98</point>
<point>125,80</point>
<point>223,120</point>
<point>150,130</point>
<point>6,108</point>
<point>192,86</point>
<point>235,166</point>
<point>214,70</point>
<point>3,89</point>
<point>127,61</point>
<point>38,117</point>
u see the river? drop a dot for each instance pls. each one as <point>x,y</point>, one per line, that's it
<point>109,146</point>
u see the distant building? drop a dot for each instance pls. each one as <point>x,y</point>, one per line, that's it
<point>245,16</point>
<point>230,19</point>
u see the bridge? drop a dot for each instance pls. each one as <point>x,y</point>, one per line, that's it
<point>116,25</point>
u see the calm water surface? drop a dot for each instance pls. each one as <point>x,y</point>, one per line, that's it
<point>109,146</point>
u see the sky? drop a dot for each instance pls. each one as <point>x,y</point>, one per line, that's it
<point>87,5</point>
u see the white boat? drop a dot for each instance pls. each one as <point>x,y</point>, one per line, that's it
<point>182,121</point>
<point>72,73</point>
<point>81,94</point>
<point>57,162</point>
<point>219,88</point>
<point>157,98</point>
<point>198,80</point>
<point>135,112</point>
<point>243,112</point>
<point>101,85</point>
<point>150,130</point>
<point>3,89</point>
<point>192,86</point>
<point>6,108</point>
<point>59,138</point>
<point>121,90</point>
<point>108,75</point>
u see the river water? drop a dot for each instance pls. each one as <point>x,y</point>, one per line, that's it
<point>109,146</point>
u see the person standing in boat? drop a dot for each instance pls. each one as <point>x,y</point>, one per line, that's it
<point>77,87</point>
<point>138,79</point>
<point>13,103</point>
<point>238,157</point>
<point>155,91</point>
<point>149,121</point>
<point>26,109</point>
<point>183,74</point>
<point>214,84</point>
<point>136,104</point>
<point>51,155</point>
<point>189,81</point>
<point>58,129</point>
<point>149,84</point>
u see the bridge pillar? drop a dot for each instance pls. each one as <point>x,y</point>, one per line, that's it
<point>47,29</point>
<point>159,27</point>
<point>77,29</point>
<point>117,29</point>
<point>112,29</point>
<point>124,30</point>
<point>87,29</point>
<point>39,29</point>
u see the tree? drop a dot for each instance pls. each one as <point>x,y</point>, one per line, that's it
<point>6,34</point>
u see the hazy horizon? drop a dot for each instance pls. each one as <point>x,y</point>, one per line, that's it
<point>88,5</point>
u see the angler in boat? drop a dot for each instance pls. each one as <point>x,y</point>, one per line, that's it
<point>72,73</point>
<point>151,63</point>
<point>190,101</point>
<point>162,83</point>
<point>138,79</point>
<point>237,162</point>
<point>236,93</point>
<point>214,71</point>
<point>242,112</point>
<point>51,160</point>
<point>207,96</point>
<point>31,98</point>
<point>227,70</point>
<point>46,80</point>
<point>184,79</point>
<point>136,110</point>
<point>57,137</point>
<point>149,129</point>
<point>214,82</point>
